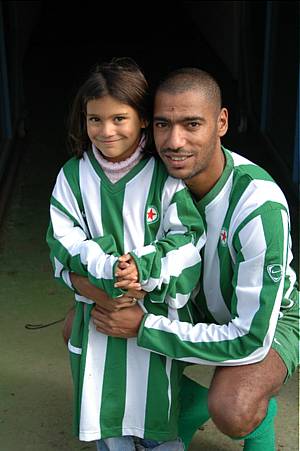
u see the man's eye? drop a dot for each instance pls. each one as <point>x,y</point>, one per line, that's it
<point>160,124</point>
<point>194,124</point>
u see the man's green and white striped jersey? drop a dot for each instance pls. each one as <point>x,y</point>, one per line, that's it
<point>246,274</point>
<point>121,389</point>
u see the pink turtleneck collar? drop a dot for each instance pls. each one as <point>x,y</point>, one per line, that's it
<point>115,171</point>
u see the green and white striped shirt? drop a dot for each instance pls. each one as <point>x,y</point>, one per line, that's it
<point>246,274</point>
<point>121,389</point>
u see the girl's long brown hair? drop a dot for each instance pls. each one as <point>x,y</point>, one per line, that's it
<point>120,78</point>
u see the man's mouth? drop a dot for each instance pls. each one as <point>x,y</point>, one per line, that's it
<point>173,158</point>
<point>176,157</point>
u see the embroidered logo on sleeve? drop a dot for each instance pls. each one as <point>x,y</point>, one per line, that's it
<point>151,215</point>
<point>275,272</point>
<point>223,237</point>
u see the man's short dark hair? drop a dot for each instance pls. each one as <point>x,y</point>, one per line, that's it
<point>190,79</point>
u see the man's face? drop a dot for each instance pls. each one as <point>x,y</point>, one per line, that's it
<point>187,131</point>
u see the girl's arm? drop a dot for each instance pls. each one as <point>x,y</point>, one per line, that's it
<point>170,267</point>
<point>69,240</point>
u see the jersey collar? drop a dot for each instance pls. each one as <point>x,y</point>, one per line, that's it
<point>201,204</point>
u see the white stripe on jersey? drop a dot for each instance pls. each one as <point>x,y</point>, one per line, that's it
<point>99,264</point>
<point>70,237</point>
<point>173,265</point>
<point>134,210</point>
<point>211,285</point>
<point>92,384</point>
<point>171,187</point>
<point>58,267</point>
<point>74,349</point>
<point>64,195</point>
<point>138,361</point>
<point>80,298</point>
<point>207,332</point>
<point>65,274</point>
<point>255,195</point>
<point>168,373</point>
<point>179,301</point>
<point>172,222</point>
<point>277,303</point>
<point>250,275</point>
<point>146,250</point>
<point>290,272</point>
<point>239,160</point>
<point>201,242</point>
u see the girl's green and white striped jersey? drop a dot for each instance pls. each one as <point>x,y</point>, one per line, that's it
<point>121,389</point>
<point>247,283</point>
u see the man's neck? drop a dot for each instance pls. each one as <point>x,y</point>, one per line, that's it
<point>203,182</point>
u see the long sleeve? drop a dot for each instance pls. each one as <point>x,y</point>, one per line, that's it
<point>69,240</point>
<point>170,267</point>
<point>259,282</point>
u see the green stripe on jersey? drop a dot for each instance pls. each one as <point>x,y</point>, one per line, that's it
<point>114,380</point>
<point>157,398</point>
<point>161,418</point>
<point>268,211</point>
<point>157,186</point>
<point>113,387</point>
<point>112,218</point>
<point>255,172</point>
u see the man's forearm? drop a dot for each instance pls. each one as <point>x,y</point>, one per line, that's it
<point>102,299</point>
<point>87,289</point>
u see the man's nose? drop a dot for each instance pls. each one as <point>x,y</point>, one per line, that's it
<point>175,138</point>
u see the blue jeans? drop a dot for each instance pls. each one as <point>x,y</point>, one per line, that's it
<point>129,443</point>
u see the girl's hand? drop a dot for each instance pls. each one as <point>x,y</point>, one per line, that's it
<point>127,273</point>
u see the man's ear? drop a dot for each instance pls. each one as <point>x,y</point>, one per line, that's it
<point>144,123</point>
<point>223,122</point>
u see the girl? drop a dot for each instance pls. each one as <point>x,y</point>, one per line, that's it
<point>120,220</point>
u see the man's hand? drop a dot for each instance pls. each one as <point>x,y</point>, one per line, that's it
<point>127,273</point>
<point>124,324</point>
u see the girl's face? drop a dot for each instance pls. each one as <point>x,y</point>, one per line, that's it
<point>113,127</point>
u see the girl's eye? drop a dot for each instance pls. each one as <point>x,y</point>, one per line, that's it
<point>119,118</point>
<point>94,119</point>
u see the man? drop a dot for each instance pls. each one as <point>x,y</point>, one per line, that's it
<point>247,301</point>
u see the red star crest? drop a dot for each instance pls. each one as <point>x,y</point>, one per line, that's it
<point>223,237</point>
<point>151,215</point>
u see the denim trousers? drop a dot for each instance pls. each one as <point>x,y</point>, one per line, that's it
<point>129,443</point>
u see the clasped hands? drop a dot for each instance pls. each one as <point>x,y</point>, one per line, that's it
<point>112,316</point>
